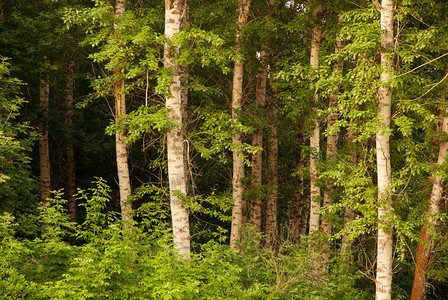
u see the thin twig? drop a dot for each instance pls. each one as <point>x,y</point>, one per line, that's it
<point>416,68</point>
<point>433,87</point>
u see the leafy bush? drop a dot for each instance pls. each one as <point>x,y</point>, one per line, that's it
<point>109,262</point>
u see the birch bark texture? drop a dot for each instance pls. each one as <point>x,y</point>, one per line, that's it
<point>316,38</point>
<point>384,172</point>
<point>44,143</point>
<point>124,181</point>
<point>427,233</point>
<point>175,16</point>
<point>237,138</point>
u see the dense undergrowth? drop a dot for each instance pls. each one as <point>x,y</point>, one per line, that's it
<point>99,260</point>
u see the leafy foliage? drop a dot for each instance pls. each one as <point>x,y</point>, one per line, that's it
<point>43,255</point>
<point>16,140</point>
<point>111,263</point>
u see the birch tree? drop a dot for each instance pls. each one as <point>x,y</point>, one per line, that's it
<point>316,38</point>
<point>385,231</point>
<point>272,196</point>
<point>124,180</point>
<point>175,17</point>
<point>272,145</point>
<point>237,138</point>
<point>257,141</point>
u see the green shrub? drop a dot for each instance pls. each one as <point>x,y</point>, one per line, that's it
<point>108,262</point>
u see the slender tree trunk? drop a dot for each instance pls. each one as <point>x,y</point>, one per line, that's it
<point>294,215</point>
<point>44,148</point>
<point>385,231</point>
<point>332,147</point>
<point>349,214</point>
<point>332,142</point>
<point>124,180</point>
<point>70,163</point>
<point>305,211</point>
<point>175,13</point>
<point>306,201</point>
<point>315,134</point>
<point>257,166</point>
<point>272,196</point>
<point>428,231</point>
<point>298,203</point>
<point>237,139</point>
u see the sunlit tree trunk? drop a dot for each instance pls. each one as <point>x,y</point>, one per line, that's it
<point>175,16</point>
<point>257,140</point>
<point>428,230</point>
<point>44,147</point>
<point>69,153</point>
<point>385,231</point>
<point>332,147</point>
<point>237,139</point>
<point>315,133</point>
<point>272,195</point>
<point>124,180</point>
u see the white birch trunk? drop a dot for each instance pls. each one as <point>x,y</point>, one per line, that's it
<point>385,231</point>
<point>124,181</point>
<point>315,133</point>
<point>176,102</point>
<point>237,99</point>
